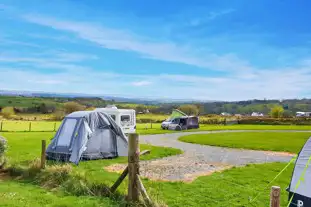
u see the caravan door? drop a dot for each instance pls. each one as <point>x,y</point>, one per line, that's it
<point>128,122</point>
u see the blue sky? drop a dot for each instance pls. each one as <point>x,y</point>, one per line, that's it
<point>199,49</point>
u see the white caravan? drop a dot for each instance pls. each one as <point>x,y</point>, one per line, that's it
<point>125,118</point>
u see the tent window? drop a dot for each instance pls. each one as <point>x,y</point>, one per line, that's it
<point>65,135</point>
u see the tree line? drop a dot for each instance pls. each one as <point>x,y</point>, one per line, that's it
<point>61,106</point>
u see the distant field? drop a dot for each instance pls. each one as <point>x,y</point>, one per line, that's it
<point>147,128</point>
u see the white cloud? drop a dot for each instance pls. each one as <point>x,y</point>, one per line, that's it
<point>124,40</point>
<point>141,83</point>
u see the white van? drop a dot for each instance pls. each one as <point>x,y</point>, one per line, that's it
<point>125,118</point>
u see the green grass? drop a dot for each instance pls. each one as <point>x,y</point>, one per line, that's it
<point>16,194</point>
<point>230,188</point>
<point>274,141</point>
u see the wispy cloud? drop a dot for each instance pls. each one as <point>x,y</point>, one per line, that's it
<point>141,83</point>
<point>127,41</point>
<point>215,14</point>
<point>50,59</point>
<point>204,18</point>
<point>4,41</point>
<point>74,57</point>
<point>53,37</point>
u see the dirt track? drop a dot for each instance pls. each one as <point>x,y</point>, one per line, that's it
<point>198,159</point>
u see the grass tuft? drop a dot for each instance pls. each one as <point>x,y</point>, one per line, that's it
<point>53,176</point>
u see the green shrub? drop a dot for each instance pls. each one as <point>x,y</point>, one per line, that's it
<point>3,146</point>
<point>72,107</point>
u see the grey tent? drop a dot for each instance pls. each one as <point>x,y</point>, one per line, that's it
<point>300,191</point>
<point>87,135</point>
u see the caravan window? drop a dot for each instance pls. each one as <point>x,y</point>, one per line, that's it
<point>65,135</point>
<point>125,118</point>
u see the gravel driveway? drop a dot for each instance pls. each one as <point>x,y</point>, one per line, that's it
<point>198,159</point>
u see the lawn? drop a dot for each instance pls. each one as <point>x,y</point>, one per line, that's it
<point>274,141</point>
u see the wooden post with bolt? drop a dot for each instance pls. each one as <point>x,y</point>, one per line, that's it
<point>133,168</point>
<point>275,196</point>
<point>135,186</point>
<point>43,158</point>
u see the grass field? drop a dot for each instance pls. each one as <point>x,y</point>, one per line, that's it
<point>230,188</point>
<point>155,128</point>
<point>274,141</point>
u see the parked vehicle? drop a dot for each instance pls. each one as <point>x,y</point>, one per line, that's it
<point>181,123</point>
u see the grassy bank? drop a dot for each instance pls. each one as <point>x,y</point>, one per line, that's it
<point>274,141</point>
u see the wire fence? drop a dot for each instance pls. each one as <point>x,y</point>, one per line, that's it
<point>49,126</point>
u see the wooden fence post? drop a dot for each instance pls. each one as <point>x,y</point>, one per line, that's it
<point>43,149</point>
<point>54,126</point>
<point>30,126</point>
<point>1,126</point>
<point>124,174</point>
<point>275,196</point>
<point>150,124</point>
<point>133,167</point>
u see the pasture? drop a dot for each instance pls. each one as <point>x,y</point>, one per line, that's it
<point>234,187</point>
<point>142,128</point>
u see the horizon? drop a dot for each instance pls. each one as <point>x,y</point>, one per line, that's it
<point>198,50</point>
<point>42,94</point>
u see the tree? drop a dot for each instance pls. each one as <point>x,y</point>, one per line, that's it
<point>277,112</point>
<point>7,112</point>
<point>58,115</point>
<point>72,107</point>
<point>189,109</point>
<point>140,108</point>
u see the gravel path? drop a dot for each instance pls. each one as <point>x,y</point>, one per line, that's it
<point>198,159</point>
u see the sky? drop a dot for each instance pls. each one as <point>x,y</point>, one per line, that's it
<point>168,49</point>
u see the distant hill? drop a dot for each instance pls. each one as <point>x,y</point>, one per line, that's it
<point>105,97</point>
